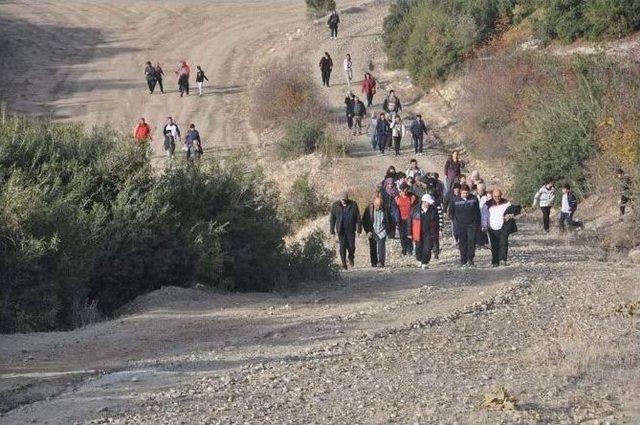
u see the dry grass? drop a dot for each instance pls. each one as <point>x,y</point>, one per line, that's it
<point>286,92</point>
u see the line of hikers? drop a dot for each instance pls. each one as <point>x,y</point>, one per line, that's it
<point>418,206</point>
<point>414,204</point>
<point>154,76</point>
<point>191,144</point>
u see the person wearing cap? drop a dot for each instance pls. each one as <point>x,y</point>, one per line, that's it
<point>405,202</point>
<point>464,211</point>
<point>344,222</point>
<point>425,229</point>
<point>374,223</point>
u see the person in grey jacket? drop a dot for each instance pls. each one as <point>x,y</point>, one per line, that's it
<point>545,198</point>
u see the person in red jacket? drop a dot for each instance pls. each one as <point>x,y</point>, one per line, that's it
<point>405,202</point>
<point>369,88</point>
<point>425,229</point>
<point>142,131</point>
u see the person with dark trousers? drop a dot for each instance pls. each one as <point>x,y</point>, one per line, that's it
<point>349,103</point>
<point>200,79</point>
<point>418,129</point>
<point>425,230</point>
<point>624,182</point>
<point>389,194</point>
<point>344,222</point>
<point>498,220</point>
<point>405,202</point>
<point>545,198</point>
<point>159,76</point>
<point>383,130</point>
<point>568,208</point>
<point>369,88</point>
<point>326,66</point>
<point>150,75</point>
<point>452,170</point>
<point>464,211</point>
<point>397,131</point>
<point>332,23</point>
<point>183,78</point>
<point>374,224</point>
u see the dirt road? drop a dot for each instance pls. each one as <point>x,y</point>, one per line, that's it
<point>399,345</point>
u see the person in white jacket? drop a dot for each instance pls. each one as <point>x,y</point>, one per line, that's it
<point>348,69</point>
<point>493,221</point>
<point>397,133</point>
<point>544,198</point>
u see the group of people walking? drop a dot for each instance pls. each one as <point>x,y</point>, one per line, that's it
<point>191,143</point>
<point>418,207</point>
<point>154,76</point>
<point>415,205</point>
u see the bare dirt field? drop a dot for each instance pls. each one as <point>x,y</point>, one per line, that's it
<point>557,328</point>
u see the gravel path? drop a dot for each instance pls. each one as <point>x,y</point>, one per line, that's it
<point>556,328</point>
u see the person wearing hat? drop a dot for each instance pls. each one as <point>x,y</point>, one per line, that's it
<point>425,229</point>
<point>344,221</point>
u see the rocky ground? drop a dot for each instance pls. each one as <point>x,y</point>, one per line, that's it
<point>557,329</point>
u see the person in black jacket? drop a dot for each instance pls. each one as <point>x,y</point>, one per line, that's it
<point>349,103</point>
<point>150,75</point>
<point>425,229</point>
<point>200,79</point>
<point>374,224</point>
<point>332,23</point>
<point>326,66</point>
<point>464,211</point>
<point>344,221</point>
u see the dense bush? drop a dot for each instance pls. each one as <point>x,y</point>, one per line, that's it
<point>285,92</point>
<point>558,139</point>
<point>311,260</point>
<point>595,19</point>
<point>318,8</point>
<point>86,221</point>
<point>304,201</point>
<point>303,136</point>
<point>431,38</point>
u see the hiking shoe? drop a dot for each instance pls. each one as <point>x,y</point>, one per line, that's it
<point>471,265</point>
<point>494,265</point>
<point>351,263</point>
<point>424,266</point>
<point>505,264</point>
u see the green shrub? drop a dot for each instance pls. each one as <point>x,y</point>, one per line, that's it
<point>302,137</point>
<point>304,201</point>
<point>87,224</point>
<point>397,27</point>
<point>312,260</point>
<point>559,137</point>
<point>431,38</point>
<point>569,20</point>
<point>318,8</point>
<point>438,43</point>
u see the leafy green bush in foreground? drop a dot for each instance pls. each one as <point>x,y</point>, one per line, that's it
<point>86,221</point>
